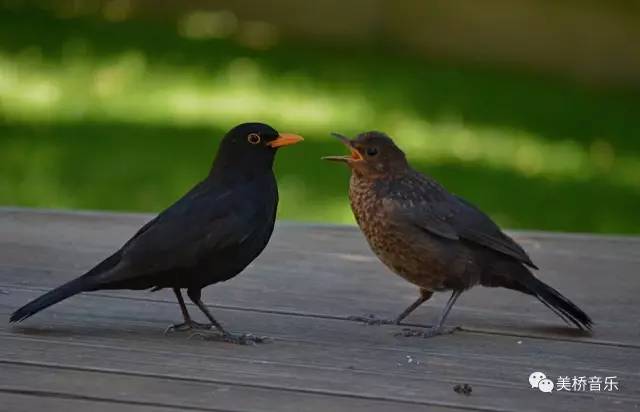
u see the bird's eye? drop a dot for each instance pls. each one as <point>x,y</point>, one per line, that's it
<point>372,151</point>
<point>253,138</point>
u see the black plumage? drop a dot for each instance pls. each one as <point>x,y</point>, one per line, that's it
<point>432,238</point>
<point>208,236</point>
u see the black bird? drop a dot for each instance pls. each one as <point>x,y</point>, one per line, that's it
<point>208,236</point>
<point>432,238</point>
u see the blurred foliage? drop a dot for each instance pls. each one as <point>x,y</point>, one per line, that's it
<point>106,112</point>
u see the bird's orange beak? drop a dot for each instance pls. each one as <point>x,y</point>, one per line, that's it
<point>285,139</point>
<point>355,154</point>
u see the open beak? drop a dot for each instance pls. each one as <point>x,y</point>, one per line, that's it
<point>355,156</point>
<point>285,139</point>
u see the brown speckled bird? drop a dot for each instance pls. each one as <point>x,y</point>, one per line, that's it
<point>432,238</point>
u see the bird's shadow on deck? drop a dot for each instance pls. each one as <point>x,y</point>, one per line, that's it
<point>535,331</point>
<point>151,332</point>
<point>560,331</point>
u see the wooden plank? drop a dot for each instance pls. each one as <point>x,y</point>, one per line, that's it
<point>263,385</point>
<point>184,393</point>
<point>29,401</point>
<point>327,355</point>
<point>299,292</point>
<point>328,271</point>
<point>104,317</point>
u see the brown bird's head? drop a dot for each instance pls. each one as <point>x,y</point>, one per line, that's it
<point>373,155</point>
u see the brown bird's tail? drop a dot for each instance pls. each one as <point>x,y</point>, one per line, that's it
<point>527,283</point>
<point>71,288</point>
<point>559,304</point>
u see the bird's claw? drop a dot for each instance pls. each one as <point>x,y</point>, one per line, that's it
<point>238,339</point>
<point>371,319</point>
<point>187,327</point>
<point>427,333</point>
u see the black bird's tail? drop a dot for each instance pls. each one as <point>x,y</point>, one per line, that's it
<point>69,289</point>
<point>85,283</point>
<point>521,279</point>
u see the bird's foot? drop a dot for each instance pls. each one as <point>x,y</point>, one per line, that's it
<point>371,319</point>
<point>188,327</point>
<point>426,333</point>
<point>238,339</point>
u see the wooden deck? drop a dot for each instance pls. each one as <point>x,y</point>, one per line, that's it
<point>106,351</point>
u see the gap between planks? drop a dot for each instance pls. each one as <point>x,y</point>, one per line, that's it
<point>329,393</point>
<point>515,394</point>
<point>116,347</point>
<point>311,315</point>
<point>66,396</point>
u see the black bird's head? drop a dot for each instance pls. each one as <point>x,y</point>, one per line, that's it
<point>250,148</point>
<point>373,155</point>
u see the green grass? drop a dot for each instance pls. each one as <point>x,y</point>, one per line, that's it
<point>127,116</point>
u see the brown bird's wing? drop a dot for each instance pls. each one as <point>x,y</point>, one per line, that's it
<point>419,215</point>
<point>472,224</point>
<point>425,204</point>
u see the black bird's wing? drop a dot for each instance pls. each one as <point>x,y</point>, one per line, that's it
<point>208,219</point>
<point>432,208</point>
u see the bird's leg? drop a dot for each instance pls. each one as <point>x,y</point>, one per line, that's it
<point>243,339</point>
<point>424,296</point>
<point>189,324</point>
<point>439,328</point>
<point>195,296</point>
<point>374,320</point>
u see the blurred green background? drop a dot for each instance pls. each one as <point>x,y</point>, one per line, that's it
<point>120,104</point>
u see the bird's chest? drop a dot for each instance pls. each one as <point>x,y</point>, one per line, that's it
<point>385,242</point>
<point>417,256</point>
<point>249,227</point>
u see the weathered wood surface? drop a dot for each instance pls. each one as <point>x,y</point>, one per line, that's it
<point>107,351</point>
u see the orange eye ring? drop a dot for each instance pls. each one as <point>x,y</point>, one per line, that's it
<point>253,138</point>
